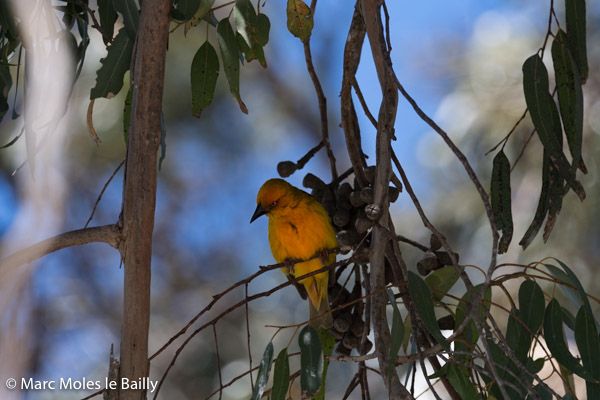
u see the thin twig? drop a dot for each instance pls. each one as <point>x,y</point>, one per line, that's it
<point>321,98</point>
<point>248,336</point>
<point>102,193</point>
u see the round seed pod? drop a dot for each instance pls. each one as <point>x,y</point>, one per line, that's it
<point>343,350</point>
<point>317,194</point>
<point>312,181</point>
<point>434,243</point>
<point>362,224</point>
<point>362,255</point>
<point>356,199</point>
<point>368,346</point>
<point>366,194</point>
<point>342,322</point>
<point>446,323</point>
<point>394,192</point>
<point>341,218</point>
<point>372,211</point>
<point>357,327</point>
<point>338,295</point>
<point>350,341</point>
<point>444,258</point>
<point>428,263</point>
<point>336,335</point>
<point>370,173</point>
<point>345,189</point>
<point>286,168</point>
<point>347,237</point>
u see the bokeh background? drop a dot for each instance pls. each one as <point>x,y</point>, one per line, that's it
<point>460,60</point>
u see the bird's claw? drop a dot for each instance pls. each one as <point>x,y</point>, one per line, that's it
<point>288,264</point>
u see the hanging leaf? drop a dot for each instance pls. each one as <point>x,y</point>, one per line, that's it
<point>556,188</point>
<point>281,376</point>
<point>572,280</point>
<point>543,204</point>
<point>204,74</point>
<point>108,17</point>
<point>441,281</point>
<point>501,201</point>
<point>575,12</point>
<point>553,334</point>
<point>311,361</point>
<point>231,62</point>
<point>187,8</point>
<point>109,78</point>
<point>252,28</point>
<point>131,15</point>
<point>532,305</point>
<point>421,297</point>
<point>299,19</point>
<point>459,381</point>
<point>470,334</point>
<point>570,97</point>
<point>540,103</point>
<point>327,344</point>
<point>588,343</point>
<point>397,333</point>
<point>201,14</point>
<point>263,372</point>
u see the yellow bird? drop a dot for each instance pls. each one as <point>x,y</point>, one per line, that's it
<point>299,228</point>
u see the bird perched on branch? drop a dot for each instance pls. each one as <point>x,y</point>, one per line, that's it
<point>299,229</point>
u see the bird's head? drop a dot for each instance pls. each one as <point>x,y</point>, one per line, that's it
<point>273,198</point>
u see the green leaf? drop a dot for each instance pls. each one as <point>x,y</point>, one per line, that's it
<point>441,281</point>
<point>108,17</point>
<point>540,103</point>
<point>231,62</point>
<point>327,343</point>
<point>252,28</point>
<point>281,376</point>
<point>201,13</point>
<point>311,361</point>
<point>109,78</point>
<point>543,204</point>
<point>204,74</point>
<point>574,281</point>
<point>501,201</point>
<point>517,337</point>
<point>5,85</point>
<point>588,343</point>
<point>128,9</point>
<point>406,333</point>
<point>7,20</point>
<point>127,114</point>
<point>575,12</point>
<point>299,19</point>
<point>264,26</point>
<point>187,8</point>
<point>570,96</point>
<point>459,381</point>
<point>397,333</point>
<point>263,372</point>
<point>553,333</point>
<point>541,391</point>
<point>532,305</point>
<point>421,297</point>
<point>470,334</point>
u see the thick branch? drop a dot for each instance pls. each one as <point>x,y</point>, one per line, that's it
<point>109,234</point>
<point>139,196</point>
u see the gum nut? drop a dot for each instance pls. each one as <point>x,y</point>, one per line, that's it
<point>444,258</point>
<point>393,193</point>
<point>341,218</point>
<point>434,243</point>
<point>313,182</point>
<point>356,199</point>
<point>366,194</point>
<point>342,322</point>
<point>286,168</point>
<point>362,224</point>
<point>370,173</point>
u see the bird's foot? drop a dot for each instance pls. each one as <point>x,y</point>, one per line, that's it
<point>288,264</point>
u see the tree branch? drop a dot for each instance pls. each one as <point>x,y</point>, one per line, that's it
<point>139,194</point>
<point>109,234</point>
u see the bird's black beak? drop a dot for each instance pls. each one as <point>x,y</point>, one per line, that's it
<point>258,212</point>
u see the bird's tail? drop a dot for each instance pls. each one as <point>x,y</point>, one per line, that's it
<point>321,316</point>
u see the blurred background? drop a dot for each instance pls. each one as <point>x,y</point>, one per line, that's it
<point>461,61</point>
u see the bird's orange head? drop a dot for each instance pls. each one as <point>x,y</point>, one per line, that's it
<point>274,197</point>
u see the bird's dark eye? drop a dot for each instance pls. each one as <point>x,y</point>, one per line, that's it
<point>273,204</point>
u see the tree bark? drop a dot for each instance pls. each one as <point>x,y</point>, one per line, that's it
<point>139,195</point>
